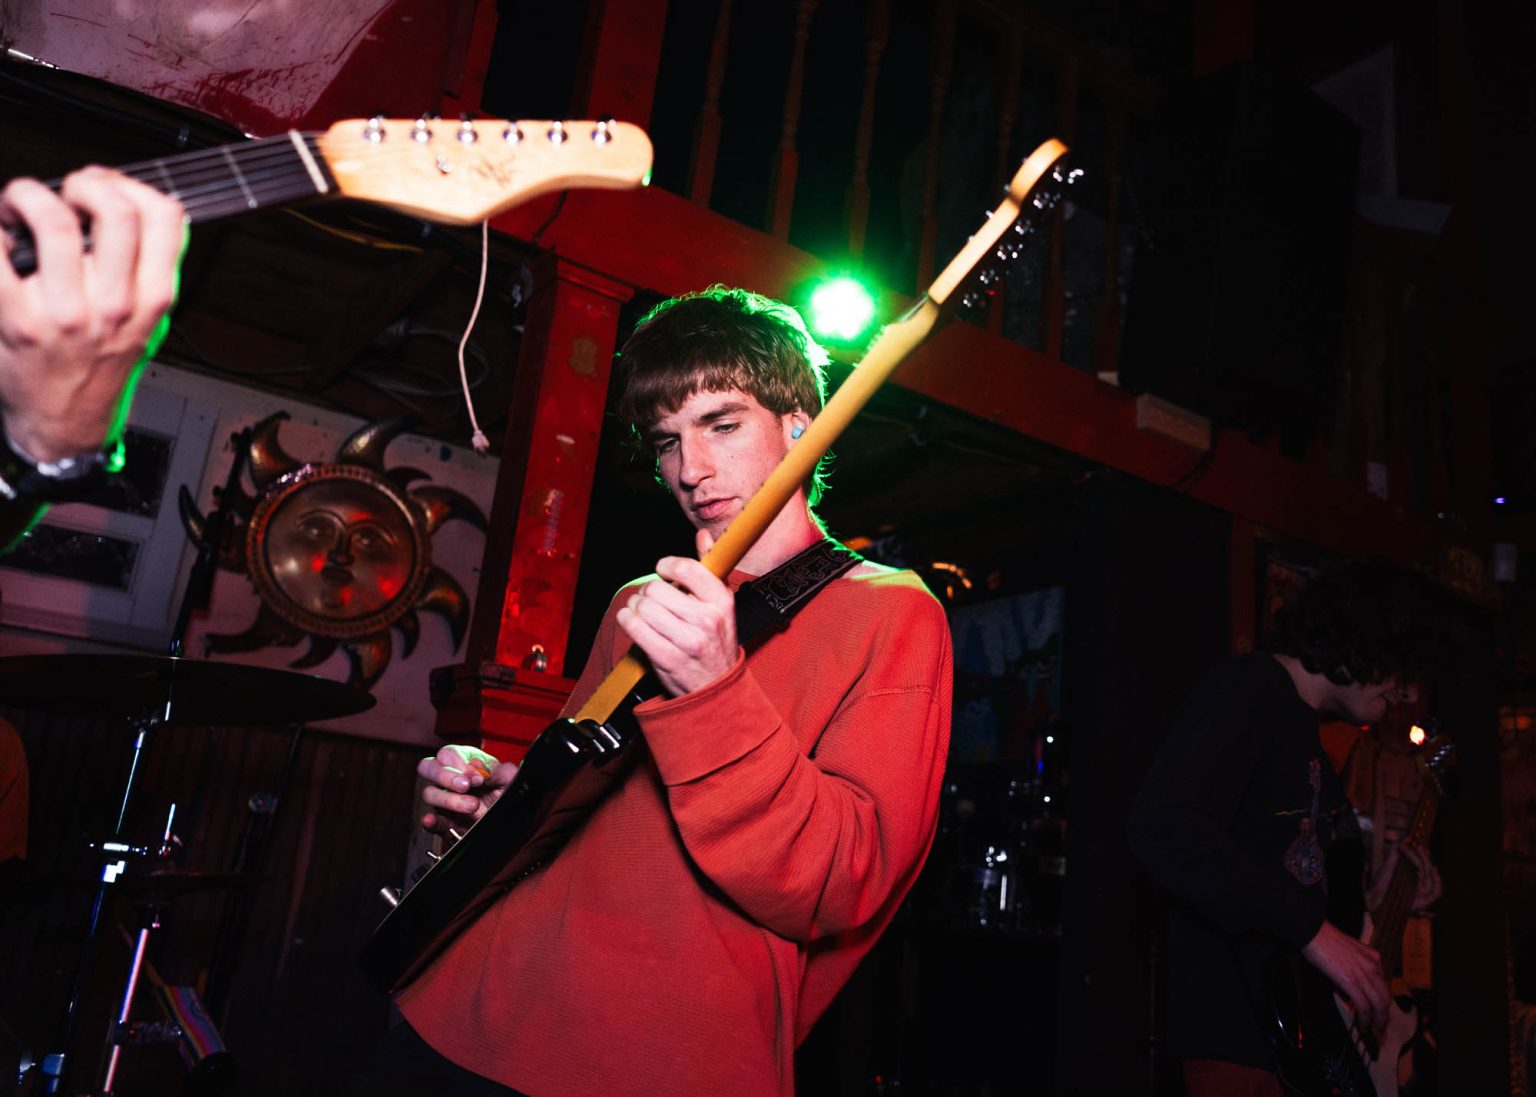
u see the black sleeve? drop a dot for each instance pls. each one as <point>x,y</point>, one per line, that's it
<point>1181,821</point>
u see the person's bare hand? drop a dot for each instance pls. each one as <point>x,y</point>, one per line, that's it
<point>72,331</point>
<point>685,622</point>
<point>1355,970</point>
<point>461,785</point>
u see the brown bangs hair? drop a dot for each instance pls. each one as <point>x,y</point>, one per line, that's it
<point>714,341</point>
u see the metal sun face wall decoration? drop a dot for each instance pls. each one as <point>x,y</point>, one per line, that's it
<point>339,552</point>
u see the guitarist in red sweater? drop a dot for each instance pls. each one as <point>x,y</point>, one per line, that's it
<point>73,330</point>
<point>1243,822</point>
<point>698,923</point>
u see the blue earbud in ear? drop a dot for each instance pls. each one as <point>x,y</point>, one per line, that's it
<point>797,432</point>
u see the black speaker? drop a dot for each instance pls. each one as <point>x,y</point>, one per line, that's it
<point>1238,291</point>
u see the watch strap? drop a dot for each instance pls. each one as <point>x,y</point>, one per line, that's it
<point>23,479</point>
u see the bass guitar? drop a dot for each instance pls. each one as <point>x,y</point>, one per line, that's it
<point>459,173</point>
<point>1319,1050</point>
<point>574,762</point>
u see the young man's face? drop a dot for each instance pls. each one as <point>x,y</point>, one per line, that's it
<point>716,450</point>
<point>1365,704</point>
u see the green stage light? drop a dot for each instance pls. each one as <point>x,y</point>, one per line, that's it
<point>841,310</point>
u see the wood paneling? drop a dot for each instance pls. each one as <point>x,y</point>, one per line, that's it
<point>297,1012</point>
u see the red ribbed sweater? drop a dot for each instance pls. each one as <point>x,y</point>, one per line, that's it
<point>694,929</point>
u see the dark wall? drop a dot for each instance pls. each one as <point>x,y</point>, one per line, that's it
<point>1148,617</point>
<point>1472,1009</point>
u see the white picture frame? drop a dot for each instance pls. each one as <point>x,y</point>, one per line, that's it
<point>138,609</point>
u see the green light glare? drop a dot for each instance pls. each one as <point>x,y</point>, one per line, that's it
<point>841,309</point>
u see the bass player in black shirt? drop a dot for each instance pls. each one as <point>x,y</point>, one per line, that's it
<point>1244,824</point>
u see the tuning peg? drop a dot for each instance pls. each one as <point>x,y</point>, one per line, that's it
<point>374,129</point>
<point>557,134</point>
<point>973,299</point>
<point>987,276</point>
<point>603,133</point>
<point>421,131</point>
<point>1074,175</point>
<point>513,134</point>
<point>466,133</point>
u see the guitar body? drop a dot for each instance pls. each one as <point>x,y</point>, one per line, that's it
<point>1318,1051</point>
<point>1317,1048</point>
<point>568,770</point>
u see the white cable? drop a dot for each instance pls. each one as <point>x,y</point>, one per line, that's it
<point>481,443</point>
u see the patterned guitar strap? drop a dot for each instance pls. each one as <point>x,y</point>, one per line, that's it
<point>764,605</point>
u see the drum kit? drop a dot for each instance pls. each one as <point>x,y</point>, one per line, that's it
<point>148,693</point>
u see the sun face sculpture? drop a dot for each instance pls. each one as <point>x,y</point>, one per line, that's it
<point>340,552</point>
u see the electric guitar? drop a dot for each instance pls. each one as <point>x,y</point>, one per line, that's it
<point>1319,1051</point>
<point>575,761</point>
<point>459,173</point>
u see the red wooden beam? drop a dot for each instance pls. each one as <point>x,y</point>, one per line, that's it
<point>1018,389</point>
<point>661,241</point>
<point>618,71</point>
<point>652,238</point>
<point>539,518</point>
<point>464,80</point>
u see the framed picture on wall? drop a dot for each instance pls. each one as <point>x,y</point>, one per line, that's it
<point>109,568</point>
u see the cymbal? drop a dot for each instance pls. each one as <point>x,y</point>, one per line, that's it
<point>172,690</point>
<point>168,883</point>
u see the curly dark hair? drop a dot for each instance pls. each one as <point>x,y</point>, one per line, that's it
<point>714,341</point>
<point>1364,622</point>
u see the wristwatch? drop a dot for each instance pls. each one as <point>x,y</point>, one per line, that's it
<point>63,481</point>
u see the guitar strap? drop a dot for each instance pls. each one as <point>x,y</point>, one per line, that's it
<point>764,605</point>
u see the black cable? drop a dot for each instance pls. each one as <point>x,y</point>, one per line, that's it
<point>550,220</point>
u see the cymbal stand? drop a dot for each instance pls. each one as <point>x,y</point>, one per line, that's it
<point>250,856</point>
<point>149,921</point>
<point>214,529</point>
<point>55,1065</point>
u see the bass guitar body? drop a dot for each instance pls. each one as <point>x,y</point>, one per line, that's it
<point>567,771</point>
<point>1319,1052</point>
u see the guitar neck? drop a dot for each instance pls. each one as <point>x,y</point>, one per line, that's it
<point>894,343</point>
<point>1034,180</point>
<point>458,173</point>
<point>219,182</point>
<point>1390,918</point>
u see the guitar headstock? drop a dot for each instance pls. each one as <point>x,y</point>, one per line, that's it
<point>464,172</point>
<point>976,271</point>
<point>1436,755</point>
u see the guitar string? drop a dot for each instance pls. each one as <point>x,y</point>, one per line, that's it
<point>276,175</point>
<point>267,170</point>
<point>212,184</point>
<point>206,185</point>
<point>146,170</point>
<point>270,169</point>
<point>281,143</point>
<point>1395,908</point>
